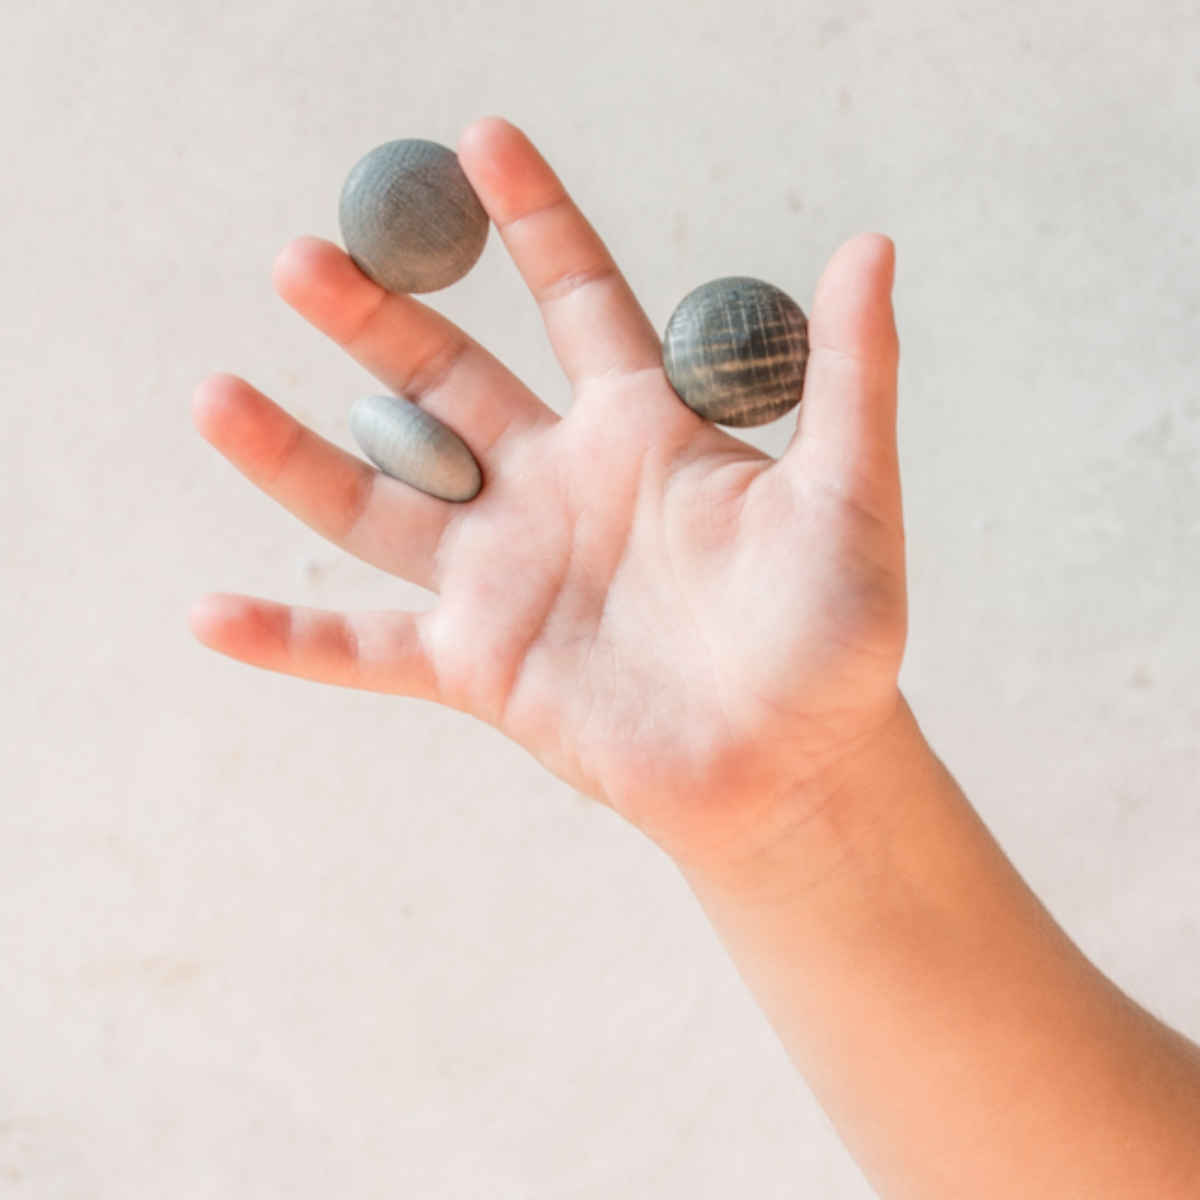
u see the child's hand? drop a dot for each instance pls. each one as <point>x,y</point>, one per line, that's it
<point>709,641</point>
<point>669,620</point>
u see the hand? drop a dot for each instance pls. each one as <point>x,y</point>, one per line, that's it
<point>668,619</point>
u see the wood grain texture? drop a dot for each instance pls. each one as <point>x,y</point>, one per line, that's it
<point>409,444</point>
<point>410,218</point>
<point>735,351</point>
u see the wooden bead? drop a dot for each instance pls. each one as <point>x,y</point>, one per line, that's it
<point>409,444</point>
<point>735,351</point>
<point>410,218</point>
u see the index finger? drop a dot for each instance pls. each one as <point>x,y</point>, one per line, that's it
<point>592,318</point>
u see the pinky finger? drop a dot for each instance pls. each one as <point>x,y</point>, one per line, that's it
<point>378,652</point>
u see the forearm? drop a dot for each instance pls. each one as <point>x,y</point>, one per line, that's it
<point>958,1039</point>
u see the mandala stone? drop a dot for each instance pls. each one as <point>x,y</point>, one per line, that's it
<point>410,218</point>
<point>735,351</point>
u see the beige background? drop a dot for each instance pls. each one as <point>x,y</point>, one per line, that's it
<point>260,938</point>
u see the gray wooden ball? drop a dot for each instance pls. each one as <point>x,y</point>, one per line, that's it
<point>735,351</point>
<point>410,218</point>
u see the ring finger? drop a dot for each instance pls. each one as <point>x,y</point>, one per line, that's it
<point>385,522</point>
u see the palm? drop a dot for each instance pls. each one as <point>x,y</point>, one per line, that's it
<point>645,602</point>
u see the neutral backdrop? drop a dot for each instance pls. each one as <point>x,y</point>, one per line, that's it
<point>263,938</point>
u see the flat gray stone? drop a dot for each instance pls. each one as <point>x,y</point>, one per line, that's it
<point>409,444</point>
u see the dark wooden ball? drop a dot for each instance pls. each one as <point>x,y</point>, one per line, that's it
<point>410,218</point>
<point>735,351</point>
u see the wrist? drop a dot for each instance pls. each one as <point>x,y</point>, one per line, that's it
<point>945,1022</point>
<point>833,829</point>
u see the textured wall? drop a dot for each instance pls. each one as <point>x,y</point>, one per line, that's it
<point>262,938</point>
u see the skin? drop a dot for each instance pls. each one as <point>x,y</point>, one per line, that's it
<point>648,604</point>
<point>708,640</point>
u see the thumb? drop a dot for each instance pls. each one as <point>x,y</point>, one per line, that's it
<point>847,427</point>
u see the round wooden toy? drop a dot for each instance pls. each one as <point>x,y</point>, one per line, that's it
<point>410,218</point>
<point>735,351</point>
<point>409,444</point>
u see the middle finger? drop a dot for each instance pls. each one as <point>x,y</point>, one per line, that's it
<point>414,350</point>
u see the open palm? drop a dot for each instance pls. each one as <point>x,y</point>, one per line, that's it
<point>671,621</point>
